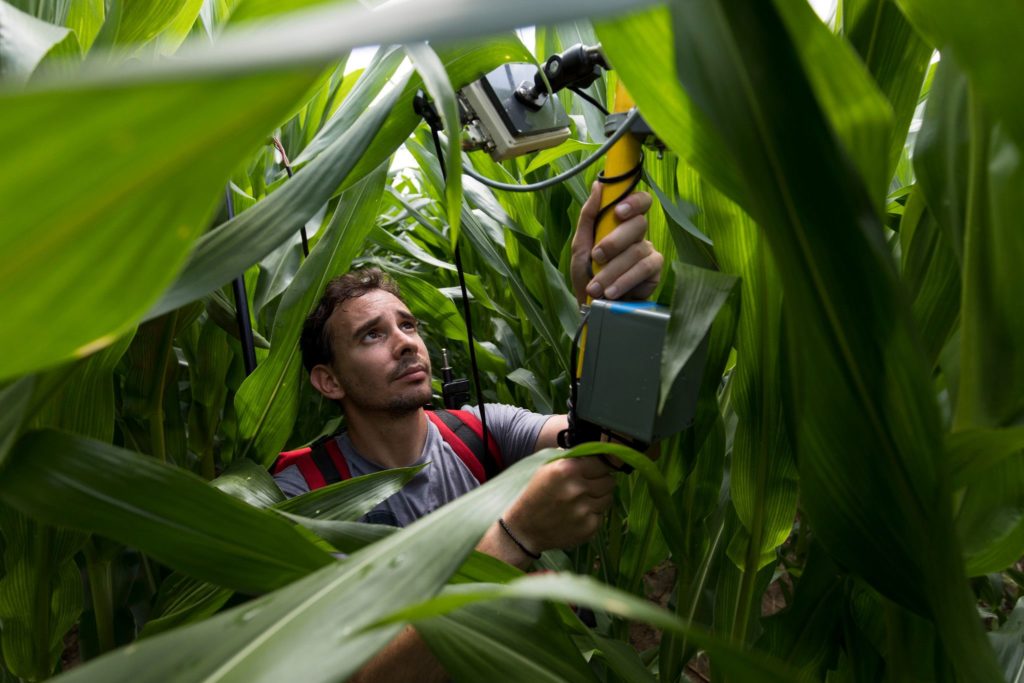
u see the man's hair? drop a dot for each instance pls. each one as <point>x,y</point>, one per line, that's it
<point>315,341</point>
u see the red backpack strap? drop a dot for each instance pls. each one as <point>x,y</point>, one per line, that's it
<point>463,432</point>
<point>321,463</point>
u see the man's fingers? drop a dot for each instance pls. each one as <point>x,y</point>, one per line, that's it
<point>589,467</point>
<point>634,205</point>
<point>638,267</point>
<point>627,233</point>
<point>593,204</point>
<point>583,240</point>
<point>599,488</point>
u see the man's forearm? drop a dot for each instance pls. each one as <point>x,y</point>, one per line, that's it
<point>405,659</point>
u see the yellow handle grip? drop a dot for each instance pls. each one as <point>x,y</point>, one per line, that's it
<point>622,158</point>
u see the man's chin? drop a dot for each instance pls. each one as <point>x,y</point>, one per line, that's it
<point>411,402</point>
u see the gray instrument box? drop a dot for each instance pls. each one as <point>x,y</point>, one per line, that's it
<point>622,372</point>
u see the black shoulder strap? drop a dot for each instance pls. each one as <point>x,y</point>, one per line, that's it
<point>462,426</point>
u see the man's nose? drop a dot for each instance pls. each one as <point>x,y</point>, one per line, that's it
<point>405,342</point>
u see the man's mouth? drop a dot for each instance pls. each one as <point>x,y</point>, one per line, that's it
<point>411,372</point>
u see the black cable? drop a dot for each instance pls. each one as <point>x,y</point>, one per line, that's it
<point>288,169</point>
<point>627,124</point>
<point>584,95</point>
<point>245,335</point>
<point>634,174</point>
<point>465,306</point>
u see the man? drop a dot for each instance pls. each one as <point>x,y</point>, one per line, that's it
<point>363,350</point>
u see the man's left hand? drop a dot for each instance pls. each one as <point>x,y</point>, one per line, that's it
<point>630,266</point>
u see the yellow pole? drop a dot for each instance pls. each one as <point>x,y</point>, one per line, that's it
<point>623,157</point>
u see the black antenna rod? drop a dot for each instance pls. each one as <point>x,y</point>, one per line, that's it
<point>242,305</point>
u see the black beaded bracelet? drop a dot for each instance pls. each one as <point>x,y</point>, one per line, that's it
<point>515,540</point>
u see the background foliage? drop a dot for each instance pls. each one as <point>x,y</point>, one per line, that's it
<point>839,205</point>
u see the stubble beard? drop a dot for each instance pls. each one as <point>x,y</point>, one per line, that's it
<point>399,405</point>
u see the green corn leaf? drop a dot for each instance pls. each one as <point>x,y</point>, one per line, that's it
<point>804,634</point>
<point>941,153</point>
<point>248,10</point>
<point>763,481</point>
<point>991,391</point>
<point>84,404</point>
<point>506,640</point>
<point>895,55</point>
<point>377,73</point>
<point>15,399</point>
<point>275,636</point>
<point>135,23</point>
<point>120,210</point>
<point>267,403</point>
<point>530,382</point>
<point>179,28</point>
<point>546,156</point>
<point>857,111</point>
<point>931,274</point>
<point>91,486</point>
<point>346,537</point>
<point>250,483</point>
<point>989,519</point>
<point>436,81</point>
<point>184,600</point>
<point>464,62</point>
<point>585,591</point>
<point>85,18</point>
<point>209,358</point>
<point>351,499</point>
<point>974,451</point>
<point>985,44</point>
<point>699,296</point>
<point>40,593</point>
<point>441,315</point>
<point>219,255</point>
<point>1006,642</point>
<point>650,73</point>
<point>484,246</point>
<point>27,41</point>
<point>863,415</point>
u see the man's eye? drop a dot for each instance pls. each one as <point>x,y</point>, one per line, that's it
<point>371,335</point>
<point>409,325</point>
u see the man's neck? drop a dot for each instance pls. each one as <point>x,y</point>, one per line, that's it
<point>387,439</point>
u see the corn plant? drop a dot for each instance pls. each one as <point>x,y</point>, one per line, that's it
<point>838,202</point>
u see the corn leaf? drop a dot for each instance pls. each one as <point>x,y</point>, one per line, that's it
<point>267,403</point>
<point>280,636</point>
<point>985,44</point>
<point>91,486</point>
<point>437,84</point>
<point>745,666</point>
<point>863,415</point>
<point>27,41</point>
<point>121,211</point>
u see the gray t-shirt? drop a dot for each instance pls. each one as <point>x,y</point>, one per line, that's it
<point>445,478</point>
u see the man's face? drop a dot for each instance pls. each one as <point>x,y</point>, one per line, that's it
<point>380,361</point>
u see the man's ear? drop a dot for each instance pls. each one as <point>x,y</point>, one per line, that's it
<point>323,380</point>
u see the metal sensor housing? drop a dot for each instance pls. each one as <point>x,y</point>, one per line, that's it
<point>621,379</point>
<point>503,125</point>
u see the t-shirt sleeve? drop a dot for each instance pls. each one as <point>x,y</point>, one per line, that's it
<point>515,429</point>
<point>291,482</point>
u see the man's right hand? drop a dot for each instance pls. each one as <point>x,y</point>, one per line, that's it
<point>563,504</point>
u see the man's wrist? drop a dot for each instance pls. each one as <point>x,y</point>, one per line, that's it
<point>517,540</point>
<point>496,543</point>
